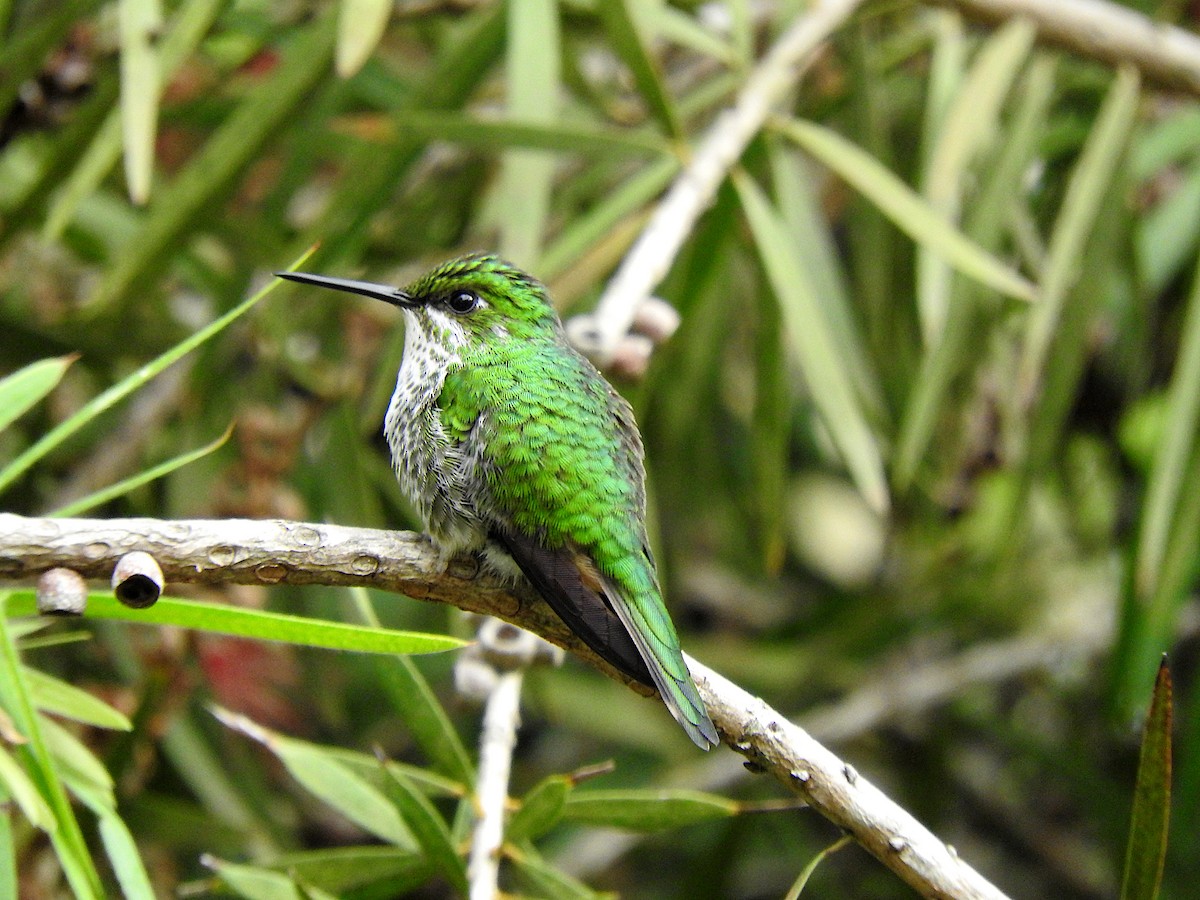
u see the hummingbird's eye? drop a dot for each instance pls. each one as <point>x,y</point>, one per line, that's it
<point>462,302</point>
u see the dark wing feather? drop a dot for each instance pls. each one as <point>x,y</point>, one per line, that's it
<point>557,576</point>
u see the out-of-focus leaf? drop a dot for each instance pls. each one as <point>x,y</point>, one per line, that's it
<point>254,882</point>
<point>806,873</point>
<point>540,809</point>
<point>905,208</point>
<point>527,177</point>
<point>127,386</point>
<point>620,18</point>
<point>138,25</point>
<point>212,172</point>
<point>25,52</point>
<point>1087,187</point>
<point>323,775</point>
<point>970,124</point>
<point>491,134</point>
<point>80,769</point>
<point>53,695</point>
<point>548,880</point>
<point>1147,849</point>
<point>21,390</point>
<point>425,717</point>
<point>679,27</point>
<point>70,847</point>
<point>17,785</point>
<point>188,25</point>
<point>341,869</point>
<point>8,857</point>
<point>91,501</point>
<point>429,828</point>
<point>1169,234</point>
<point>361,24</point>
<point>121,850</point>
<point>816,347</point>
<point>647,810</point>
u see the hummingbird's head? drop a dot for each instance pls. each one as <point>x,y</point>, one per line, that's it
<point>469,300</point>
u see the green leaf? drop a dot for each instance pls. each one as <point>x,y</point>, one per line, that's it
<point>213,171</point>
<point>325,776</point>
<point>138,25</point>
<point>540,809</point>
<point>341,869</point>
<point>361,24</point>
<point>530,134</point>
<point>429,828</point>
<point>527,177</point>
<point>21,390</point>
<point>1147,849</point>
<point>626,37</point>
<point>79,767</point>
<point>647,810</point>
<point>22,790</point>
<point>548,880</point>
<point>907,210</point>
<point>8,856</point>
<point>188,25</point>
<point>128,385</point>
<point>70,847</point>
<point>1089,183</point>
<point>53,695</point>
<point>425,716</point>
<point>970,124</point>
<point>83,504</point>
<point>122,852</point>
<point>220,618</point>
<point>816,346</point>
<point>806,873</point>
<point>254,882</point>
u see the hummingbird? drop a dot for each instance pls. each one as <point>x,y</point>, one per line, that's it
<point>510,444</point>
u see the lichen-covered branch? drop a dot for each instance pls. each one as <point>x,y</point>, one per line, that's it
<point>275,552</point>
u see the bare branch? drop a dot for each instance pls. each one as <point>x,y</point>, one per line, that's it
<point>276,552</point>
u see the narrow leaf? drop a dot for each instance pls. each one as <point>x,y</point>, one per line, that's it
<point>806,873</point>
<point>429,828</point>
<point>361,24</point>
<point>326,777</point>
<point>970,124</point>
<point>532,68</point>
<point>138,25</point>
<point>1088,185</point>
<point>219,618</point>
<point>253,882</point>
<point>905,208</point>
<point>816,346</point>
<point>23,389</point>
<point>134,482</point>
<point>540,809</point>
<point>53,695</point>
<point>212,172</point>
<point>647,810</point>
<point>1151,816</point>
<point>626,38</point>
<point>548,880</point>
<point>425,717</point>
<point>128,385</point>
<point>18,786</point>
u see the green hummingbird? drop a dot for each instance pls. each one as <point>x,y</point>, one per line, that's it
<point>510,443</point>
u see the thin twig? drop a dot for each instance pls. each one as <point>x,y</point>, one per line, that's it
<point>1107,32</point>
<point>273,552</point>
<point>501,717</point>
<point>651,257</point>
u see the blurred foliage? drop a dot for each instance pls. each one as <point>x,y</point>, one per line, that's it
<point>949,527</point>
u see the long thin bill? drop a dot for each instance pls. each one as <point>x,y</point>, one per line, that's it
<point>383,292</point>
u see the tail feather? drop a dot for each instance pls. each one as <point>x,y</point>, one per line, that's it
<point>595,610</point>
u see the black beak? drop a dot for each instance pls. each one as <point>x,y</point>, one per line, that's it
<point>394,296</point>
